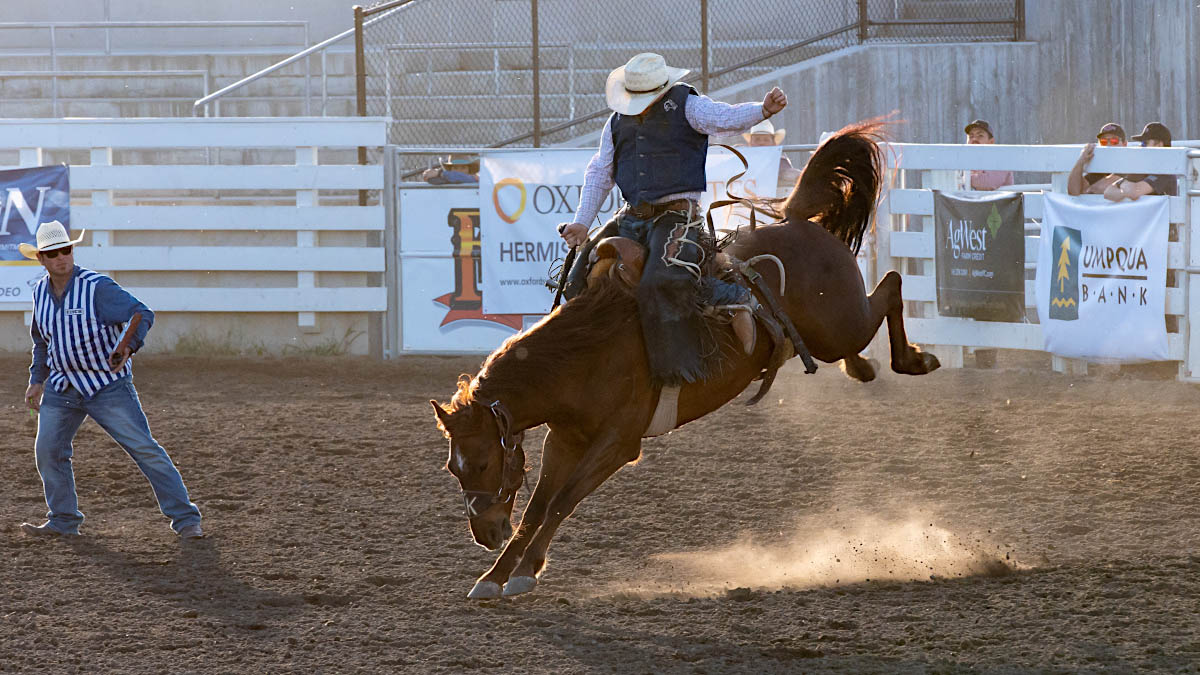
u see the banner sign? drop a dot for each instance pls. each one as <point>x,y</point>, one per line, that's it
<point>1102,277</point>
<point>980,250</point>
<point>30,197</point>
<point>441,294</point>
<point>524,195</point>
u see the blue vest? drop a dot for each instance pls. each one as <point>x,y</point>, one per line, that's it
<point>658,153</point>
<point>78,344</point>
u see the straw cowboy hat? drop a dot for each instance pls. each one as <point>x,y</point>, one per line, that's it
<point>50,236</point>
<point>636,85</point>
<point>765,127</point>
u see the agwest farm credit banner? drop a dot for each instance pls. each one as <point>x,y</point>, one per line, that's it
<point>29,198</point>
<point>524,195</point>
<point>1101,278</point>
<point>980,255</point>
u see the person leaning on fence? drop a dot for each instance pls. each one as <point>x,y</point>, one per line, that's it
<point>452,171</point>
<point>654,147</point>
<point>765,134</point>
<point>979,132</point>
<point>78,322</point>
<point>1078,183</point>
<point>1131,186</point>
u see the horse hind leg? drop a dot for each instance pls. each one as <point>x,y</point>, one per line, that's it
<point>859,368</point>
<point>886,302</point>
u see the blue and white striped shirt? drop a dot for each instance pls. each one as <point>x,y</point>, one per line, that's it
<point>74,335</point>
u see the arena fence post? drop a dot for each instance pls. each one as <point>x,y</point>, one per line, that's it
<point>360,85</point>
<point>537,76</point>
<point>863,22</point>
<point>703,46</point>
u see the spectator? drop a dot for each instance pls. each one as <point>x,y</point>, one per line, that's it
<point>763,134</point>
<point>979,132</point>
<point>453,170</point>
<point>1155,135</point>
<point>1079,183</point>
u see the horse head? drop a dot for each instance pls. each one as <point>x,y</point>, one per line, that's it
<point>487,459</point>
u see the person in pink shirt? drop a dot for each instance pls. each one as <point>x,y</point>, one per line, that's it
<point>979,132</point>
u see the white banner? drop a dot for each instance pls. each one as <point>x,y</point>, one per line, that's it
<point>1102,277</point>
<point>524,195</point>
<point>441,297</point>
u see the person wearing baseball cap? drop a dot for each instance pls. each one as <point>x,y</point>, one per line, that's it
<point>979,132</point>
<point>654,147</point>
<point>1078,183</point>
<point>85,330</point>
<point>1155,135</point>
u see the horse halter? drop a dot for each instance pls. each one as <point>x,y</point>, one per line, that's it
<point>512,471</point>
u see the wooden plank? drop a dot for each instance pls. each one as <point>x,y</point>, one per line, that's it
<point>234,258</point>
<point>193,132</point>
<point>924,289</point>
<point>348,218</point>
<point>920,203</point>
<point>226,177</point>
<point>1047,158</point>
<point>990,334</point>
<point>285,300</point>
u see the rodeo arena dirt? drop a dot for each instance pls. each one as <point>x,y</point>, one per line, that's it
<point>1007,520</point>
<point>995,468</point>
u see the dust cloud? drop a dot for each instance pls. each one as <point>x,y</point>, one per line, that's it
<point>852,550</point>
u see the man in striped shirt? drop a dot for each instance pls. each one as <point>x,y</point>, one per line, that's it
<point>79,318</point>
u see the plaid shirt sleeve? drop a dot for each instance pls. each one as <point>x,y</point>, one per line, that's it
<point>715,118</point>
<point>597,179</point>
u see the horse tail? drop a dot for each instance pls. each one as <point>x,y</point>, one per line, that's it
<point>840,185</point>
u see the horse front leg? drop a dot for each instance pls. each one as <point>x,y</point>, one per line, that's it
<point>596,467</point>
<point>886,301</point>
<point>558,461</point>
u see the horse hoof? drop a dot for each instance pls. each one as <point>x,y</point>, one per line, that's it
<point>519,585</point>
<point>931,362</point>
<point>484,590</point>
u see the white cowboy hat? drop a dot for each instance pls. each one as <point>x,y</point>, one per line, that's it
<point>765,127</point>
<point>636,85</point>
<point>50,236</point>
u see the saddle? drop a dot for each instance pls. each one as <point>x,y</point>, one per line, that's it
<point>622,260</point>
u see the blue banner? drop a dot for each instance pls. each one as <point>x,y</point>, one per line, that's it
<point>31,197</point>
<point>28,198</point>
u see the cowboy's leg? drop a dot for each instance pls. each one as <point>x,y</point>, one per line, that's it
<point>118,411</point>
<point>668,297</point>
<point>58,421</point>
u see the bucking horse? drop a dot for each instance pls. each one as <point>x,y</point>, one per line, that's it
<point>582,370</point>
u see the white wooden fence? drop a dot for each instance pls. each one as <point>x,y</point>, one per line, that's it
<point>258,239</point>
<point>904,240</point>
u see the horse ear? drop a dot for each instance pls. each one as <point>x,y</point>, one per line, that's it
<point>442,414</point>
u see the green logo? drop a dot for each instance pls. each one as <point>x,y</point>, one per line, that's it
<point>994,221</point>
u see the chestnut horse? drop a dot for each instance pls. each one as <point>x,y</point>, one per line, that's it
<point>582,370</point>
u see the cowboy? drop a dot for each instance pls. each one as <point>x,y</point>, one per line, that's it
<point>79,318</point>
<point>654,147</point>
<point>453,170</point>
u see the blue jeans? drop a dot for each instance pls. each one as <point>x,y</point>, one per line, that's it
<point>118,411</point>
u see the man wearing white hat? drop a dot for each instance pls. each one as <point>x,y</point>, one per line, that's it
<point>765,134</point>
<point>79,320</point>
<point>654,148</point>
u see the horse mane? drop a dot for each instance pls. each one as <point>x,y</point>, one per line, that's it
<point>571,333</point>
<point>839,186</point>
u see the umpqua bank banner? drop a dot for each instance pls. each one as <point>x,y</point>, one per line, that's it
<point>29,198</point>
<point>1102,278</point>
<point>524,195</point>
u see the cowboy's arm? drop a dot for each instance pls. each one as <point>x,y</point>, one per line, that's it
<point>597,183</point>
<point>714,118</point>
<point>115,306</point>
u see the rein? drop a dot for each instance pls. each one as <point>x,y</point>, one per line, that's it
<point>513,469</point>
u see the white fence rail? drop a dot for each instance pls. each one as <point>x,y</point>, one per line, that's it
<point>905,240</point>
<point>301,257</point>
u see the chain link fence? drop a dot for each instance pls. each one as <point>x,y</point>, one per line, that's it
<point>465,73</point>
